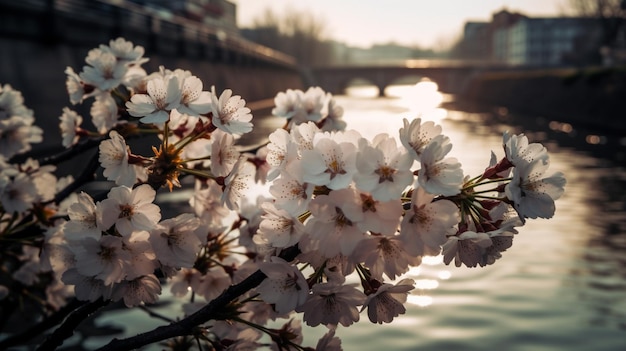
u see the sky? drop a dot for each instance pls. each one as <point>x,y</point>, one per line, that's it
<point>424,23</point>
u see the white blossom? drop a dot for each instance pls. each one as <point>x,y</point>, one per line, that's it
<point>129,209</point>
<point>230,113</point>
<point>176,241</point>
<point>332,304</point>
<point>415,136</point>
<point>533,192</point>
<point>388,301</point>
<point>163,96</point>
<point>70,124</point>
<point>285,286</point>
<point>439,175</point>
<point>383,168</point>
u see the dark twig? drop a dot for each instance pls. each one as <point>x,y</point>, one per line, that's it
<point>86,176</point>
<point>73,320</point>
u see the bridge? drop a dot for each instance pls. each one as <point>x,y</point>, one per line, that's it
<point>451,76</point>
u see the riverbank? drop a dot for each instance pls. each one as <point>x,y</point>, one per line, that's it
<point>593,97</point>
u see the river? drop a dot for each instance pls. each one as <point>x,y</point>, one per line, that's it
<point>562,286</point>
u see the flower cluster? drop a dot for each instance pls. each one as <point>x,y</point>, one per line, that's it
<point>338,206</point>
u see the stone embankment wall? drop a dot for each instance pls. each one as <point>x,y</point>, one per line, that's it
<point>38,71</point>
<point>592,97</point>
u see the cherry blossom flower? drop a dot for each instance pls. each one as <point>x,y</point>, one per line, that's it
<point>224,154</point>
<point>533,192</point>
<point>142,256</point>
<point>415,136</point>
<point>237,183</point>
<point>17,134</point>
<point>468,248</point>
<point>212,284</point>
<point>129,209</point>
<point>143,289</point>
<point>499,243</point>
<point>70,124</point>
<point>43,178</point>
<point>278,227</point>
<point>104,113</point>
<point>439,175</point>
<point>333,120</point>
<point>331,162</point>
<point>333,223</point>
<point>180,284</point>
<point>329,342</point>
<point>163,96</point>
<point>86,287</point>
<point>520,152</point>
<point>291,194</point>
<point>384,254</point>
<point>17,193</point>
<point>12,104</point>
<point>290,333</point>
<point>114,155</point>
<point>287,103</point>
<point>313,101</point>
<point>103,70</point>
<point>388,301</point>
<point>193,100</point>
<point>207,203</point>
<point>83,222</point>
<point>382,217</point>
<point>332,304</point>
<point>280,150</point>
<point>427,223</point>
<point>230,113</point>
<point>303,135</point>
<point>125,52</point>
<point>103,258</point>
<point>285,286</point>
<point>76,88</point>
<point>176,241</point>
<point>383,168</point>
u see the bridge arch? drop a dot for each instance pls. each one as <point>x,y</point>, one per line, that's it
<point>411,79</point>
<point>360,87</point>
<point>450,77</point>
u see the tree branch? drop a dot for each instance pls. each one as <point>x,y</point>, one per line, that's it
<point>185,326</point>
<point>86,176</point>
<point>67,328</point>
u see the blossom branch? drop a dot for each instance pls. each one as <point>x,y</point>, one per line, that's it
<point>210,311</point>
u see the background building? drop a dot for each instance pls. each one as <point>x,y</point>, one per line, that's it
<point>514,38</point>
<point>549,41</point>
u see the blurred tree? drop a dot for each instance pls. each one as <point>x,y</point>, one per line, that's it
<point>612,15</point>
<point>297,33</point>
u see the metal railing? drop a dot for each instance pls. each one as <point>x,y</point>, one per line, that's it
<point>116,17</point>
